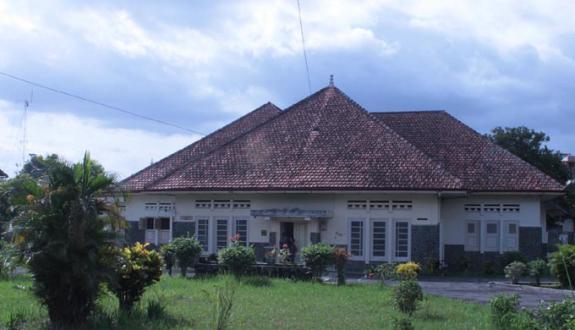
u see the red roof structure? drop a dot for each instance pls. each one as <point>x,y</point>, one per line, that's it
<point>328,142</point>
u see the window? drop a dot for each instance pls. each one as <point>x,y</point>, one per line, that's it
<point>357,205</point>
<point>510,208</point>
<point>356,238</point>
<point>202,233</point>
<point>150,206</point>
<point>472,208</point>
<point>222,233</point>
<point>164,223</point>
<point>401,239</point>
<point>492,228</point>
<point>165,207</point>
<point>511,236</point>
<point>472,237</point>
<point>491,236</point>
<point>379,205</point>
<point>241,229</point>
<point>203,204</point>
<point>241,204</point>
<point>150,223</point>
<point>401,205</point>
<point>221,204</point>
<point>378,238</point>
<point>491,208</point>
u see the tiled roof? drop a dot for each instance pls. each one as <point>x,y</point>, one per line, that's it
<point>481,165</point>
<point>323,142</point>
<point>164,167</point>
<point>329,142</point>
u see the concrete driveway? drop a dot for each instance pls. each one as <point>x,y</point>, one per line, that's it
<point>483,291</point>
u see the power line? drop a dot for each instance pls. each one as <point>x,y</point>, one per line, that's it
<point>303,47</point>
<point>111,107</point>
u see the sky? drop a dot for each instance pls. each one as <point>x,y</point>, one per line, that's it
<point>202,64</point>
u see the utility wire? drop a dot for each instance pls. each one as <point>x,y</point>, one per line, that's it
<point>303,47</point>
<point>111,107</point>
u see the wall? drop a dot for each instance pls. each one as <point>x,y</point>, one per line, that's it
<point>531,231</point>
<point>424,214</point>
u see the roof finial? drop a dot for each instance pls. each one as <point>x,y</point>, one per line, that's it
<point>330,80</point>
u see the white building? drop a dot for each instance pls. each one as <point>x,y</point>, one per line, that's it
<point>391,186</point>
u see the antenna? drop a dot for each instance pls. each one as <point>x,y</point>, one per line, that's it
<point>303,47</point>
<point>24,141</point>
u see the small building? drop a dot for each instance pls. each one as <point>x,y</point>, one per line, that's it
<point>387,186</point>
<point>569,161</point>
<point>3,175</point>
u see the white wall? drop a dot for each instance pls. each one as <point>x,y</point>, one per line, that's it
<point>425,206</point>
<point>453,215</point>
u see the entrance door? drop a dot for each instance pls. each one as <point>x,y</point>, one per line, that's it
<point>300,235</point>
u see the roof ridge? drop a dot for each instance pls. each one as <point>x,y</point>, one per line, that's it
<point>379,122</point>
<point>407,111</point>
<point>261,107</point>
<point>283,112</point>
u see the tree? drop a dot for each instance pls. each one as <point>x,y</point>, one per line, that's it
<point>530,146</point>
<point>67,229</point>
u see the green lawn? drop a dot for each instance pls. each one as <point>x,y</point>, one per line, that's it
<point>284,305</point>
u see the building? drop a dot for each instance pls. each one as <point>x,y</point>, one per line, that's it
<point>3,175</point>
<point>389,186</point>
<point>569,161</point>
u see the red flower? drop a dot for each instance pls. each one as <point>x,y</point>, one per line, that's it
<point>285,246</point>
<point>235,238</point>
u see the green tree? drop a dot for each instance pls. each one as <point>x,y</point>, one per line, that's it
<point>66,228</point>
<point>530,146</point>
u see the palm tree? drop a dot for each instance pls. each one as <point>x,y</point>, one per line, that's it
<point>66,228</point>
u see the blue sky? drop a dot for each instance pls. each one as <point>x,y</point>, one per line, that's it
<point>203,64</point>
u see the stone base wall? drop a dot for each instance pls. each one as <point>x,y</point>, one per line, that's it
<point>457,259</point>
<point>530,242</point>
<point>425,244</point>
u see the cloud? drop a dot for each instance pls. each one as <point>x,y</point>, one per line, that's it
<point>122,151</point>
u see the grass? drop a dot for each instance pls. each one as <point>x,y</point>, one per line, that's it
<point>281,305</point>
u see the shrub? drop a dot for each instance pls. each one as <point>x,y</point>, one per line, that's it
<point>237,258</point>
<point>521,321</point>
<point>501,306</point>
<point>407,295</point>
<point>65,227</point>
<point>340,257</point>
<point>385,271</point>
<point>537,268</point>
<point>562,265</point>
<point>136,269</point>
<point>317,257</point>
<point>515,270</point>
<point>402,324</point>
<point>557,315</point>
<point>187,249</point>
<point>168,252</point>
<point>408,271</point>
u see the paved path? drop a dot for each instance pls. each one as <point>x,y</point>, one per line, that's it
<point>482,292</point>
